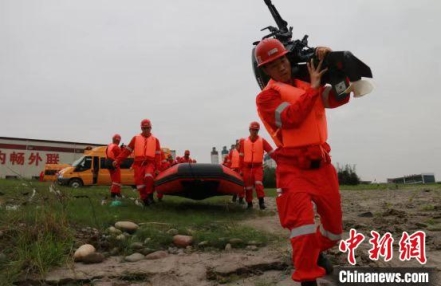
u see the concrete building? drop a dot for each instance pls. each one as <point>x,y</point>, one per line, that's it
<point>424,178</point>
<point>24,157</point>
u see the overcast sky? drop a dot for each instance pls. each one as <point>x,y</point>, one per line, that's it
<point>83,70</point>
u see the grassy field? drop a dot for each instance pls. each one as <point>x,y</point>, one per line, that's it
<point>39,230</point>
<point>42,229</point>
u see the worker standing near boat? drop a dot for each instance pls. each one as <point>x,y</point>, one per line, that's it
<point>234,158</point>
<point>186,158</point>
<point>234,164</point>
<point>251,151</point>
<point>112,151</point>
<point>147,161</point>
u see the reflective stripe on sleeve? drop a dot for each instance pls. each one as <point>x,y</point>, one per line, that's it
<point>140,186</point>
<point>325,96</point>
<point>113,183</point>
<point>148,175</point>
<point>258,183</point>
<point>128,148</point>
<point>279,111</point>
<point>303,230</point>
<point>330,235</point>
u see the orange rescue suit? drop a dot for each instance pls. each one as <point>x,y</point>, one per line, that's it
<point>234,159</point>
<point>112,151</point>
<point>145,147</point>
<point>147,151</point>
<point>312,131</point>
<point>251,162</point>
<point>253,151</point>
<point>294,116</point>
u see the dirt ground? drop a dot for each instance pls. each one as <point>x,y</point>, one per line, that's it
<point>394,210</point>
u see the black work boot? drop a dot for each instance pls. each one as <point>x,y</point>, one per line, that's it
<point>234,198</point>
<point>324,262</point>
<point>115,195</point>
<point>151,199</point>
<point>262,203</point>
<point>241,202</point>
<point>250,205</point>
<point>309,283</point>
<point>146,202</point>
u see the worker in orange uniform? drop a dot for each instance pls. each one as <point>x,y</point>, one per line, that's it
<point>293,112</point>
<point>171,161</point>
<point>165,164</point>
<point>147,161</point>
<point>233,160</point>
<point>112,151</point>
<point>226,162</point>
<point>251,163</point>
<point>186,158</point>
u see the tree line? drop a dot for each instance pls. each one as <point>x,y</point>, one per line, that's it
<point>347,175</point>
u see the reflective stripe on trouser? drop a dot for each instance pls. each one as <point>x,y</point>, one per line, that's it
<point>300,188</point>
<point>252,178</point>
<point>144,178</point>
<point>115,176</point>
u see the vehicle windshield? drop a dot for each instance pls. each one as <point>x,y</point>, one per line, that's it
<point>77,162</point>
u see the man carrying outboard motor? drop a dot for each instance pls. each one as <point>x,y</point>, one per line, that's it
<point>293,113</point>
<point>292,106</point>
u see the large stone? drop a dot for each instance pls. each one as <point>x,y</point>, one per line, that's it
<point>114,230</point>
<point>83,251</point>
<point>121,237</point>
<point>127,226</point>
<point>157,255</point>
<point>134,257</point>
<point>182,240</point>
<point>136,245</point>
<point>94,257</point>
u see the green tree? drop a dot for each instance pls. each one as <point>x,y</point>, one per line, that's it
<point>269,177</point>
<point>347,175</point>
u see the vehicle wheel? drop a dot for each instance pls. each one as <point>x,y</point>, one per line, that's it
<point>75,183</point>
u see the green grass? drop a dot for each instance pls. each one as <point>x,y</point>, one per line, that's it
<point>385,186</point>
<point>41,233</point>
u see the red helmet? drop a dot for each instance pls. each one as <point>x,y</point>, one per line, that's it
<point>146,123</point>
<point>255,125</point>
<point>116,137</point>
<point>268,50</point>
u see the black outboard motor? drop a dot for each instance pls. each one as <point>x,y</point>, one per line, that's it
<point>343,67</point>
